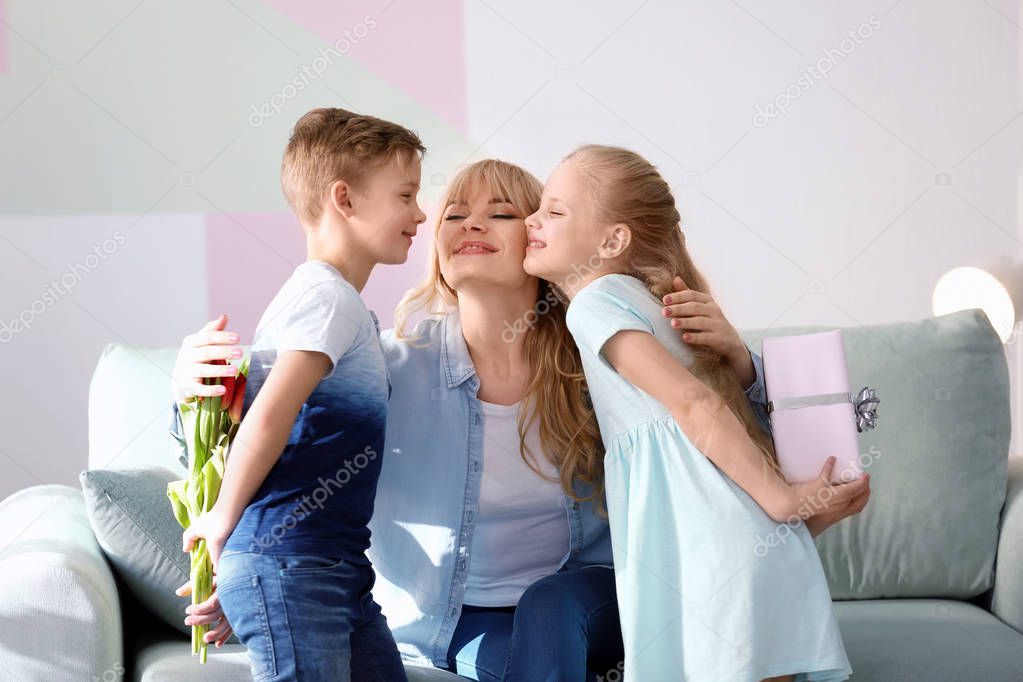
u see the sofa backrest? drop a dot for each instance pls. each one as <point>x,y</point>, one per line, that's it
<point>937,459</point>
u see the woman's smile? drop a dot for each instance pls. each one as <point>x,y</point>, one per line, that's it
<point>474,247</point>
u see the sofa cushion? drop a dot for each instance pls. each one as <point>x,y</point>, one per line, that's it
<point>132,519</point>
<point>59,606</point>
<point>927,640</point>
<point>164,660</point>
<point>130,409</point>
<point>937,459</point>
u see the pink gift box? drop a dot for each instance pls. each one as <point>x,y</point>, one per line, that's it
<point>811,406</point>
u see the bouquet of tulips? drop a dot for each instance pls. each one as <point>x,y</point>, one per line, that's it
<point>209,425</point>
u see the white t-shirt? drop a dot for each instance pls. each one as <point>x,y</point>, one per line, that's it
<point>341,424</point>
<point>521,532</point>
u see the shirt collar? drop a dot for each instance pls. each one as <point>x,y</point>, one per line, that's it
<point>455,360</point>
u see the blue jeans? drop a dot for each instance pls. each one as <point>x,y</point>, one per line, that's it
<point>307,617</point>
<point>565,628</point>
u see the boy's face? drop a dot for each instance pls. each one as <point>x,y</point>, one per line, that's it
<point>386,211</point>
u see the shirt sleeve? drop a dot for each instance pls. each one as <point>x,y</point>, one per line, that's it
<point>757,393</point>
<point>600,311</point>
<point>325,318</point>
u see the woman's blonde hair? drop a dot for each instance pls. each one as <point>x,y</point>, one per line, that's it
<point>626,188</point>
<point>556,395</point>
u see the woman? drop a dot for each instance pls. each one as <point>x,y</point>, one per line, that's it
<point>492,552</point>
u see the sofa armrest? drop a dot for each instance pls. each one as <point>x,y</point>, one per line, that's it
<point>1007,596</point>
<point>60,617</point>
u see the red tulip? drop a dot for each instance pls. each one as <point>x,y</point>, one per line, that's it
<point>235,410</point>
<point>234,390</point>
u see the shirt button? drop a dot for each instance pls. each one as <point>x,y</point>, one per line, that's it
<point>475,466</point>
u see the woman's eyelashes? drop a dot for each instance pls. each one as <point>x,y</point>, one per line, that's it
<point>496,216</point>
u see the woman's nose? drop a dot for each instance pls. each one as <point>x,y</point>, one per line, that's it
<point>473,224</point>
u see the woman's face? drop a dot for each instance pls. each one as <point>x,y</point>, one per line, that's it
<point>562,235</point>
<point>482,241</point>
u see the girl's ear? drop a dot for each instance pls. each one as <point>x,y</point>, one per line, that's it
<point>341,198</point>
<point>616,240</point>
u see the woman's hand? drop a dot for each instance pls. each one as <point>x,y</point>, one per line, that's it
<point>207,613</point>
<point>702,323</point>
<point>212,342</point>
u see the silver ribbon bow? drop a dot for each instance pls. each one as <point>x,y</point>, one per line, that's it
<point>865,406</point>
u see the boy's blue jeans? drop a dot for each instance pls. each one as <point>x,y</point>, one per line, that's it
<point>307,617</point>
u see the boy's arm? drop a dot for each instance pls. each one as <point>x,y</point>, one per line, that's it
<point>264,432</point>
<point>258,444</point>
<point>712,427</point>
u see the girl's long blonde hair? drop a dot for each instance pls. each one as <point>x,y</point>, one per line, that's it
<point>626,188</point>
<point>556,395</point>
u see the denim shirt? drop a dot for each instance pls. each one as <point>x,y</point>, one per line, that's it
<point>428,492</point>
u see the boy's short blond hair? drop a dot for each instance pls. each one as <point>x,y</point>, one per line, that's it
<point>330,144</point>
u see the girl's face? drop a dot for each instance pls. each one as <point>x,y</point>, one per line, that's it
<point>564,239</point>
<point>482,240</point>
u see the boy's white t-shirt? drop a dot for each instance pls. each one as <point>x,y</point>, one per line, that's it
<point>318,497</point>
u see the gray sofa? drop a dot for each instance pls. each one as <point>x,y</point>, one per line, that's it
<point>928,580</point>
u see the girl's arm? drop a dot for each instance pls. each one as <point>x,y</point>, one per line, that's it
<point>712,427</point>
<point>259,443</point>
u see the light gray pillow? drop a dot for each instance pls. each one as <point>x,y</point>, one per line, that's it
<point>132,519</point>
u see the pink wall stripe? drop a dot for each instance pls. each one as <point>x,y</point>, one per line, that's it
<point>418,47</point>
<point>249,255</point>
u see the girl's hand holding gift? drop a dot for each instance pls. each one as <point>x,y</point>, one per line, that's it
<point>818,524</point>
<point>822,497</point>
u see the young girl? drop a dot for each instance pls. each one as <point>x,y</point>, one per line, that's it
<point>693,490</point>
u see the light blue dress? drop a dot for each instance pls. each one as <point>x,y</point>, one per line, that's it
<point>709,587</point>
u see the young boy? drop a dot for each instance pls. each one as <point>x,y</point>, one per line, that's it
<point>288,533</point>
